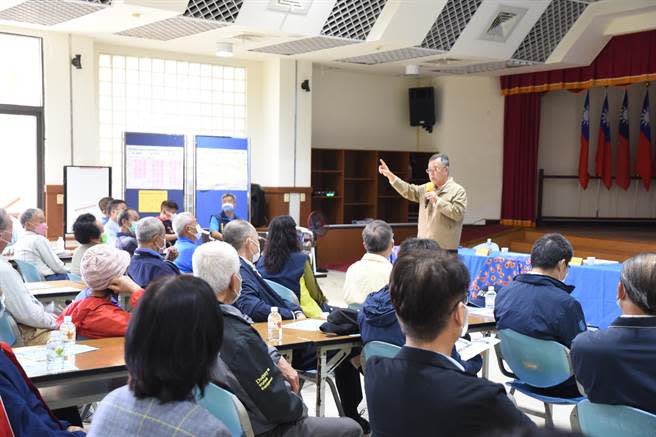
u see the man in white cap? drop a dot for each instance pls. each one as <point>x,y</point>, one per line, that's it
<point>98,315</point>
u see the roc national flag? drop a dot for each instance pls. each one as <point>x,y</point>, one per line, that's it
<point>623,163</point>
<point>604,154</point>
<point>584,176</point>
<point>643,156</point>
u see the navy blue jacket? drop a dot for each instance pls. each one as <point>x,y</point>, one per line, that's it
<point>618,366</point>
<point>27,415</point>
<point>378,322</point>
<point>257,297</point>
<point>421,393</point>
<point>147,265</point>
<point>290,274</point>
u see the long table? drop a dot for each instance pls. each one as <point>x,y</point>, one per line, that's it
<point>55,290</point>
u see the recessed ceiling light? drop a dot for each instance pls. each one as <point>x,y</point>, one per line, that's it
<point>224,49</point>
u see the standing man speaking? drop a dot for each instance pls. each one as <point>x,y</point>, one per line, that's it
<point>442,202</point>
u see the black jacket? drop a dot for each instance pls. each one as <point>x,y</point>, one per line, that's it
<point>421,393</point>
<point>246,369</point>
<point>618,366</point>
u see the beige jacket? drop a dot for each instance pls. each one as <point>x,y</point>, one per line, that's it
<point>441,222</point>
<point>369,274</point>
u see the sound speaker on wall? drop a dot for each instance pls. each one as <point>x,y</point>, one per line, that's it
<point>257,205</point>
<point>422,107</point>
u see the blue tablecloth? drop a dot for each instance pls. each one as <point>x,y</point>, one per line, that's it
<point>596,285</point>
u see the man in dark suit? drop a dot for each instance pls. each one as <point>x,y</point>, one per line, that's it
<point>539,304</point>
<point>616,366</point>
<point>423,391</point>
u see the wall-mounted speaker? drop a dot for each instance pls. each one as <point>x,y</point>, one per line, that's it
<point>422,107</point>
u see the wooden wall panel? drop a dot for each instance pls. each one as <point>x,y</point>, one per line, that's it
<point>54,210</point>
<point>275,204</point>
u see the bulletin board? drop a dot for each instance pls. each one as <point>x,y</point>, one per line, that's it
<point>83,188</point>
<point>153,171</point>
<point>222,166</point>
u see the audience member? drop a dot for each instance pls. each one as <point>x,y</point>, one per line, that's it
<point>616,366</point>
<point>29,320</point>
<point>423,391</point>
<point>377,317</point>
<point>88,232</point>
<point>274,408</point>
<point>168,210</point>
<point>227,214</point>
<point>116,207</point>
<point>257,296</point>
<point>33,246</point>
<point>171,345</point>
<point>126,238</point>
<point>372,272</point>
<point>189,238</point>
<point>98,315</point>
<point>103,205</point>
<point>539,304</point>
<point>284,262</point>
<point>151,259</point>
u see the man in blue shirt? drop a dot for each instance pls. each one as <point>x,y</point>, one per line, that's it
<point>112,228</point>
<point>539,304</point>
<point>189,238</point>
<point>219,221</point>
<point>423,391</point>
<point>616,366</point>
<point>148,264</point>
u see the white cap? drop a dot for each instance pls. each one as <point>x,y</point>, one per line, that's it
<point>68,319</point>
<point>489,240</point>
<point>490,288</point>
<point>274,309</point>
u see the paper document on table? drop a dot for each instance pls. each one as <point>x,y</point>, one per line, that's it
<point>39,353</point>
<point>54,290</point>
<point>484,312</point>
<point>469,349</point>
<point>305,325</point>
<point>37,285</point>
<point>38,368</point>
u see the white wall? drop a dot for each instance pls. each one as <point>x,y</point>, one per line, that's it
<point>559,154</point>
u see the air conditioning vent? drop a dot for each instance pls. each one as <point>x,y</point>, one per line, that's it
<point>299,7</point>
<point>503,23</point>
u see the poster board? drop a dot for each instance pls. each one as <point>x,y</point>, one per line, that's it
<point>222,166</point>
<point>153,171</point>
<point>83,188</point>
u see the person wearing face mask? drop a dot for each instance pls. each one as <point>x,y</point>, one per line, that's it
<point>274,409</point>
<point>219,221</point>
<point>168,210</point>
<point>429,291</point>
<point>33,247</point>
<point>189,234</point>
<point>151,259</point>
<point>540,305</point>
<point>126,238</point>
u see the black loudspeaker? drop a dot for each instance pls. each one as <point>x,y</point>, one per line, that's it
<point>422,107</point>
<point>257,206</point>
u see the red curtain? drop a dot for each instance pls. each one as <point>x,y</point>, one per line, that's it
<point>626,59</point>
<point>521,134</point>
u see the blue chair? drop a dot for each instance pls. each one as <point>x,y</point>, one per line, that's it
<point>355,306</point>
<point>535,363</point>
<point>600,420</point>
<point>283,292</point>
<point>378,349</point>
<point>227,408</point>
<point>28,272</point>
<point>6,333</point>
<point>74,277</point>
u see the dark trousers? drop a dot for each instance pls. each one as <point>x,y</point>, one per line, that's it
<point>57,277</point>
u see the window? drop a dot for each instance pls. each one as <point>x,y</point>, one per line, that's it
<point>137,94</point>
<point>20,70</point>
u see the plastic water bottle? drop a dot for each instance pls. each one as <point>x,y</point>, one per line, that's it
<point>55,352</point>
<point>490,298</point>
<point>60,245</point>
<point>67,330</point>
<point>488,245</point>
<point>274,323</point>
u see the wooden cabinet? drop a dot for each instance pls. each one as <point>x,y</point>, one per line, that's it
<point>347,186</point>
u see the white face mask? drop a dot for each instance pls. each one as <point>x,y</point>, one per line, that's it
<point>465,327</point>
<point>256,255</point>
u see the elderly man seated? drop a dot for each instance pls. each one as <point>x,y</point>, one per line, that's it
<point>275,409</point>
<point>30,322</point>
<point>189,238</point>
<point>151,259</point>
<point>33,247</point>
<point>372,272</point>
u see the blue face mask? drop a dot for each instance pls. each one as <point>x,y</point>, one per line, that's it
<point>227,207</point>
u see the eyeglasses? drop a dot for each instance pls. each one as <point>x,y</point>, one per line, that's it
<point>434,170</point>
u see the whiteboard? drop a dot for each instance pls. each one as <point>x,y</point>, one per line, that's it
<point>222,169</point>
<point>83,188</point>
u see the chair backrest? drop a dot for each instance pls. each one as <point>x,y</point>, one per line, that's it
<point>540,363</point>
<point>74,277</point>
<point>600,420</point>
<point>28,271</point>
<point>378,349</point>
<point>6,333</point>
<point>283,291</point>
<point>227,408</point>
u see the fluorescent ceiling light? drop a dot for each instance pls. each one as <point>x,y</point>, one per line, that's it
<point>224,49</point>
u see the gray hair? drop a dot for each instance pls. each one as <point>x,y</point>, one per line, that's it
<point>444,159</point>
<point>149,228</point>
<point>181,221</point>
<point>639,280</point>
<point>28,215</point>
<point>377,236</point>
<point>4,219</point>
<point>237,232</point>
<point>215,262</point>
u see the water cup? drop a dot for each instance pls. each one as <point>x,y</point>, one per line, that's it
<point>504,250</point>
<point>590,260</point>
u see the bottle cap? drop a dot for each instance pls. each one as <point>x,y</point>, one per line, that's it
<point>68,319</point>
<point>274,309</point>
<point>490,288</point>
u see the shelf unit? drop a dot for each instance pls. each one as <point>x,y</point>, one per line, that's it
<point>360,191</point>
